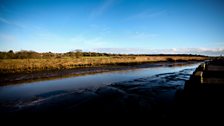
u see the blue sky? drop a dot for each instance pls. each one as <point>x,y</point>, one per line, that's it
<point>118,26</point>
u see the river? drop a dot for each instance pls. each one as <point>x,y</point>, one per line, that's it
<point>153,82</point>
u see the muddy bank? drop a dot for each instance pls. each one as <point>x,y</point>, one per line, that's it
<point>152,97</point>
<point>204,92</point>
<point>6,79</point>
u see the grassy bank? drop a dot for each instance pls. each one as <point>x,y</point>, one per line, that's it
<point>8,66</point>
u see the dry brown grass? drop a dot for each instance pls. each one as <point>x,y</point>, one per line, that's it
<point>34,65</point>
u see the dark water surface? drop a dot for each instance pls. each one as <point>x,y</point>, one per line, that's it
<point>138,90</point>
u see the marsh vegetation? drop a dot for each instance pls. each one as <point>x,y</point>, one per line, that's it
<point>30,61</point>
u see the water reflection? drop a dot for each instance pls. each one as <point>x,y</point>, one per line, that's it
<point>34,89</point>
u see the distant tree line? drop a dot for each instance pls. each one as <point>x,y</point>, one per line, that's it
<point>24,54</point>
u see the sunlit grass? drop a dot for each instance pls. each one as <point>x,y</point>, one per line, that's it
<point>34,65</point>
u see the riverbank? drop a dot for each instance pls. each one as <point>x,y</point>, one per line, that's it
<point>15,78</point>
<point>32,65</point>
<point>204,92</point>
<point>147,97</point>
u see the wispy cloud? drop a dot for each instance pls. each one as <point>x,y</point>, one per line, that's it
<point>105,6</point>
<point>81,41</point>
<point>7,38</point>
<point>5,21</point>
<point>101,30</point>
<point>219,44</point>
<point>200,51</point>
<point>9,22</point>
<point>89,42</point>
<point>143,36</point>
<point>147,14</point>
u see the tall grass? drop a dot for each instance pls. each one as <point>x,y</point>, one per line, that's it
<point>35,65</point>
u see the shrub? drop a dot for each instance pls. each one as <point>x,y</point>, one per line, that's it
<point>170,60</point>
